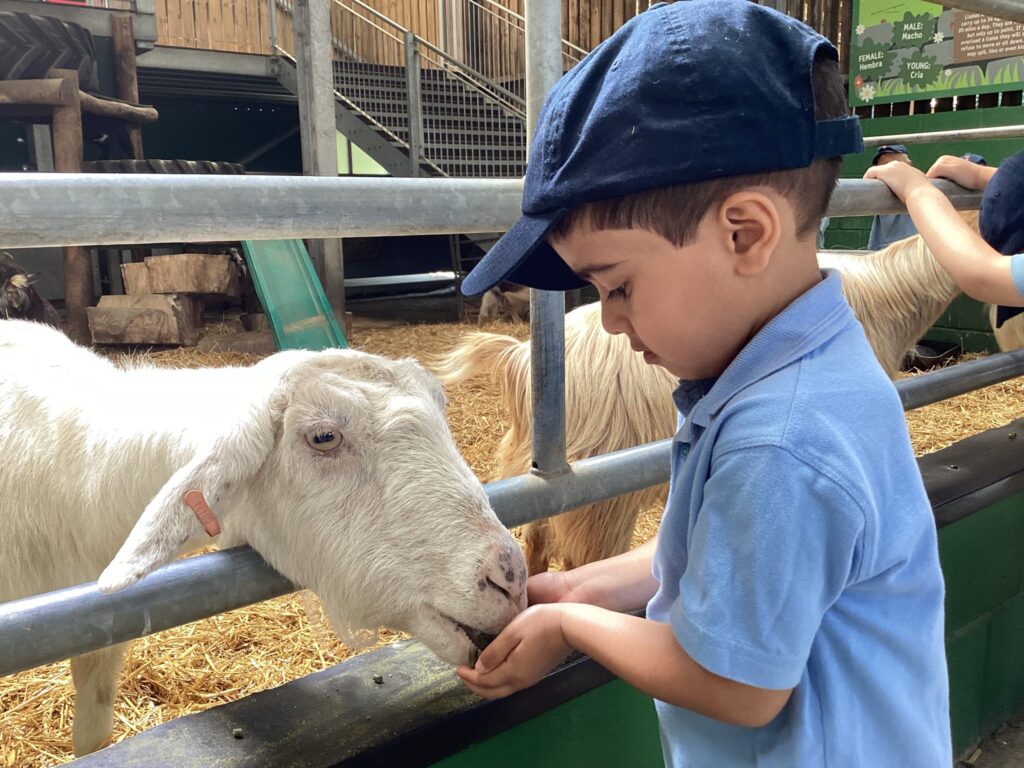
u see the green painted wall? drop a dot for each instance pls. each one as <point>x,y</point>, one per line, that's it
<point>983,566</point>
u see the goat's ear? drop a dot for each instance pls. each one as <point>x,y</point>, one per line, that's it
<point>167,523</point>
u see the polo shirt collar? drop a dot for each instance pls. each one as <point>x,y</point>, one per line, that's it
<point>809,322</point>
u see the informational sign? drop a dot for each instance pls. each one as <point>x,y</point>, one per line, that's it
<point>903,50</point>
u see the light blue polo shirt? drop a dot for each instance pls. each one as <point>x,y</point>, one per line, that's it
<point>1017,270</point>
<point>798,549</point>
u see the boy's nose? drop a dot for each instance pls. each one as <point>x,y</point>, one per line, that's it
<point>613,319</point>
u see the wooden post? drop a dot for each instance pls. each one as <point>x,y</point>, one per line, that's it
<point>125,72</point>
<point>67,158</point>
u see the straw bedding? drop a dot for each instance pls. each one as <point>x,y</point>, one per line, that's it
<point>223,658</point>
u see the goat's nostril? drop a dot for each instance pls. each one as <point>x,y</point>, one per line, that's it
<point>499,588</point>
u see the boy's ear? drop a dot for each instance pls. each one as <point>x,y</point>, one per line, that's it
<point>752,222</point>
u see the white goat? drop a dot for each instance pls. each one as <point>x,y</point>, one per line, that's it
<point>338,467</point>
<point>614,400</point>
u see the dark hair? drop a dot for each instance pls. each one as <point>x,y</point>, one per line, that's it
<point>675,212</point>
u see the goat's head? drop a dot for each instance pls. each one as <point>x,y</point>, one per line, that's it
<point>14,288</point>
<point>343,474</point>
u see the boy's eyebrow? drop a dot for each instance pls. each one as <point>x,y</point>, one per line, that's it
<point>587,271</point>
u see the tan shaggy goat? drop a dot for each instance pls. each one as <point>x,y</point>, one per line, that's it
<point>614,400</point>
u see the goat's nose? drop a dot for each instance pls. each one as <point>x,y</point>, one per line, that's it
<point>506,574</point>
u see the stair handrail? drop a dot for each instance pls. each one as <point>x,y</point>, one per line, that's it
<point>484,85</point>
<point>572,54</point>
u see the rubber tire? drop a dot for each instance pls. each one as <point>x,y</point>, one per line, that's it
<point>31,45</point>
<point>162,166</point>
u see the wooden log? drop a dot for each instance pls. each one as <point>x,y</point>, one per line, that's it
<point>136,279</point>
<point>50,92</point>
<point>79,291</point>
<point>119,110</point>
<point>199,273</point>
<point>153,319</point>
<point>126,73</point>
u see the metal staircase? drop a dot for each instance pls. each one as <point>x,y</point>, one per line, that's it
<point>416,109</point>
<point>419,111</point>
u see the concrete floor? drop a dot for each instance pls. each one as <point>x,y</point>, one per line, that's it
<point>1004,749</point>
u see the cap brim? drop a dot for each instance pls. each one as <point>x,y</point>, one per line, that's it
<point>523,256</point>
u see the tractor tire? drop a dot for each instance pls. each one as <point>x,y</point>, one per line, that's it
<point>162,166</point>
<point>31,45</point>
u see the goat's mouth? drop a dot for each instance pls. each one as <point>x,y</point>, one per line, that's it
<point>477,637</point>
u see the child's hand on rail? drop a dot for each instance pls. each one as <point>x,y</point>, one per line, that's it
<point>963,172</point>
<point>902,178</point>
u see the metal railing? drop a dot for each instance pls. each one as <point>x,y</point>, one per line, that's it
<point>491,38</point>
<point>50,627</point>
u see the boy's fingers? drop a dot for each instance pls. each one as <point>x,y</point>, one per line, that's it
<point>496,652</point>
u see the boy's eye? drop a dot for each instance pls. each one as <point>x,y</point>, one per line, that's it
<point>618,293</point>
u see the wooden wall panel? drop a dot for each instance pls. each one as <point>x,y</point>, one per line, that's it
<point>477,37</point>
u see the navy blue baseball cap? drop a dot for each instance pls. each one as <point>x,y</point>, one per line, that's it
<point>889,149</point>
<point>682,93</point>
<point>1002,217</point>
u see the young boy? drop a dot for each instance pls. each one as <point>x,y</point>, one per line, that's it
<point>977,264</point>
<point>794,598</point>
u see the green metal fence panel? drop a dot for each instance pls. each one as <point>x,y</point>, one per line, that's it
<point>610,727</point>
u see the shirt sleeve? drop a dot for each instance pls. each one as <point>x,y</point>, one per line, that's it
<point>1017,270</point>
<point>774,544</point>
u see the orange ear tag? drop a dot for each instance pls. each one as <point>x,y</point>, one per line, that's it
<point>195,500</point>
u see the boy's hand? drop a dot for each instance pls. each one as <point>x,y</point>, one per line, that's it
<point>526,650</point>
<point>963,172</point>
<point>902,178</point>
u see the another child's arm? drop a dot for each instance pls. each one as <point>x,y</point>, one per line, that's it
<point>963,172</point>
<point>979,270</point>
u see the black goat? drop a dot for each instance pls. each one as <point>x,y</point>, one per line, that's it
<point>18,299</point>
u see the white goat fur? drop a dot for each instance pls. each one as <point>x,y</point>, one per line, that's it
<point>390,527</point>
<point>614,400</point>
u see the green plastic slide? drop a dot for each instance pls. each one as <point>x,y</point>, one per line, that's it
<point>292,297</point>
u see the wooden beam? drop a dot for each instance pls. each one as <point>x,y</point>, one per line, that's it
<point>50,92</point>
<point>117,109</point>
<point>67,158</point>
<point>126,73</point>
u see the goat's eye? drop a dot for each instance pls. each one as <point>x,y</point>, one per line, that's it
<point>324,439</point>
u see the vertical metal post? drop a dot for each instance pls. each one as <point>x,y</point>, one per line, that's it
<point>314,71</point>
<point>40,148</point>
<point>414,102</point>
<point>442,23</point>
<point>273,27</point>
<point>547,308</point>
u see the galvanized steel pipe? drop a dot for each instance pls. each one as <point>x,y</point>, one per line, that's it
<point>46,628</point>
<point>547,308</point>
<point>56,209</point>
<point>1012,10</point>
<point>937,137</point>
<point>955,380</point>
